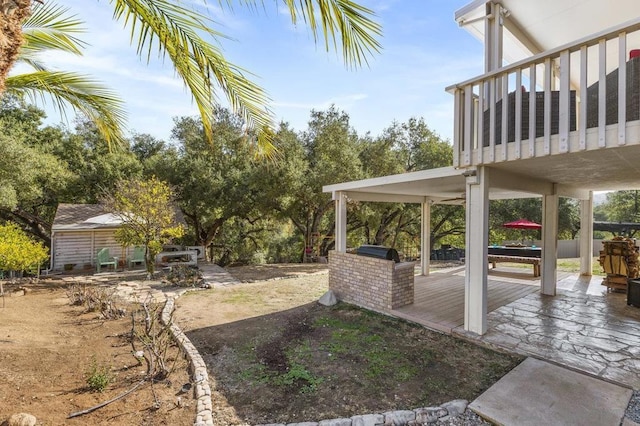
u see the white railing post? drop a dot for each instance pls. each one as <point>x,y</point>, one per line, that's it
<point>468,124</point>
<point>492,119</point>
<point>622,88</point>
<point>518,117</point>
<point>532,110</point>
<point>582,117</point>
<point>602,93</point>
<point>457,142</point>
<point>548,76</point>
<point>564,102</point>
<point>481,106</point>
<point>504,119</point>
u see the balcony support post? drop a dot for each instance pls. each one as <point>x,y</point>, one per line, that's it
<point>477,241</point>
<point>493,37</point>
<point>549,243</point>
<point>425,237</point>
<point>586,235</point>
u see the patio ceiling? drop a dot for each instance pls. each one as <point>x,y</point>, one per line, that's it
<point>445,185</point>
<point>574,175</point>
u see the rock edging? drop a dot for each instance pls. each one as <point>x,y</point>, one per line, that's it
<point>199,375</point>
<point>419,416</point>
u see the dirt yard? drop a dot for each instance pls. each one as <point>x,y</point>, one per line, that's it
<point>47,347</point>
<point>275,355</point>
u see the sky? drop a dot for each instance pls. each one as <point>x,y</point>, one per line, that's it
<point>424,51</point>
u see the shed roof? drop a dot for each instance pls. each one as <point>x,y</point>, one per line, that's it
<point>79,217</point>
<point>83,216</point>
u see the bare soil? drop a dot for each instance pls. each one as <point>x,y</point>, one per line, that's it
<point>46,348</point>
<point>275,355</point>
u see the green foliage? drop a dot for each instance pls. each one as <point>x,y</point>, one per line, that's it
<point>98,376</point>
<point>405,147</point>
<point>27,172</point>
<point>50,28</point>
<point>621,206</point>
<point>358,339</point>
<point>148,215</point>
<point>18,252</point>
<point>299,374</point>
<point>503,211</point>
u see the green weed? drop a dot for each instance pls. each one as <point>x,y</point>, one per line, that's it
<point>98,376</point>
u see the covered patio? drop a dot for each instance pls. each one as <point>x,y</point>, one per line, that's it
<point>472,188</point>
<point>439,297</point>
<point>583,327</point>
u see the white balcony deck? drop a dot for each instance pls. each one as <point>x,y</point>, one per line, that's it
<point>587,99</point>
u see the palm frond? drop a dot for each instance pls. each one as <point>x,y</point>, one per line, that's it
<point>82,93</point>
<point>31,59</point>
<point>341,19</point>
<point>336,20</point>
<point>50,27</point>
<point>176,32</point>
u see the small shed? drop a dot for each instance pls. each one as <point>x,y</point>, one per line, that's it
<point>79,231</point>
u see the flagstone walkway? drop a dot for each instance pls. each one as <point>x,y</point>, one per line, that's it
<point>584,328</point>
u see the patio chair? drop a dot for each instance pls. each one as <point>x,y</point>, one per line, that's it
<point>103,258</point>
<point>137,256</point>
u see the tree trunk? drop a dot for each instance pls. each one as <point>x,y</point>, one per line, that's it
<point>12,14</point>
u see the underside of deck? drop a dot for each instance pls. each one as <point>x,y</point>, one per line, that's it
<point>439,297</point>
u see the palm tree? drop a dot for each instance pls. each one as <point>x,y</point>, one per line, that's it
<point>178,31</point>
<point>49,29</point>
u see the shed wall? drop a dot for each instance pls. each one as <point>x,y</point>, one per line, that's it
<point>80,247</point>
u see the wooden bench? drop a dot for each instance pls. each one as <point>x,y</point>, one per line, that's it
<point>535,261</point>
<point>103,258</point>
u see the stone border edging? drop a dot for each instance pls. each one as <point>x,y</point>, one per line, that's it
<point>199,375</point>
<point>419,416</point>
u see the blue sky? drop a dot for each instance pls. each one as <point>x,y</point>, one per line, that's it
<point>423,52</point>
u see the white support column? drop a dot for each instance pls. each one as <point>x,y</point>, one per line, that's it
<point>425,237</point>
<point>341,221</point>
<point>477,241</point>
<point>586,235</point>
<point>493,37</point>
<point>549,243</point>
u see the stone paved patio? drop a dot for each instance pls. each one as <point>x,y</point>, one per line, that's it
<point>584,328</point>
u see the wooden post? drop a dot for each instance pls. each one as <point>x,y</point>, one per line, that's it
<point>341,221</point>
<point>425,237</point>
<point>586,235</point>
<point>549,243</point>
<point>477,241</point>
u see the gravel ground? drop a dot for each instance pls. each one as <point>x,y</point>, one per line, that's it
<point>468,418</point>
<point>633,409</point>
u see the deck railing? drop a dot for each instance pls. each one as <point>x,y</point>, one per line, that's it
<point>586,92</point>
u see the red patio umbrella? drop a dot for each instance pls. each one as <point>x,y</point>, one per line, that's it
<point>522,224</point>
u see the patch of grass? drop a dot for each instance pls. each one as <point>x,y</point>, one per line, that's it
<point>573,265</point>
<point>298,374</point>
<point>357,338</point>
<point>98,376</point>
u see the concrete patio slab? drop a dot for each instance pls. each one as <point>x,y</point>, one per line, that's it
<point>540,393</point>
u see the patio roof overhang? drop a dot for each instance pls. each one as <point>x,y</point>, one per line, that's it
<point>532,27</point>
<point>445,185</point>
